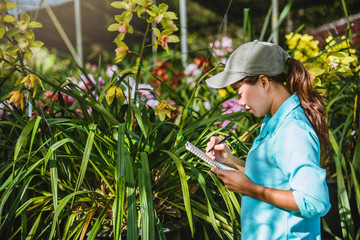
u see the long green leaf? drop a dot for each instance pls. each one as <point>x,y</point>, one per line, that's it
<point>145,189</point>
<point>229,204</point>
<point>344,205</point>
<point>282,17</point>
<point>202,184</point>
<point>19,176</point>
<point>356,186</point>
<point>118,206</point>
<point>185,189</point>
<point>68,229</point>
<point>144,207</point>
<point>61,206</point>
<point>139,120</point>
<point>15,203</point>
<point>50,155</point>
<point>85,159</point>
<point>34,228</point>
<point>96,227</point>
<point>132,230</point>
<point>35,129</point>
<point>22,138</point>
<point>121,149</point>
<point>245,22</point>
<point>103,177</point>
<point>266,24</point>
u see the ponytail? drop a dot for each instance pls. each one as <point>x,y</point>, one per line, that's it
<point>298,80</point>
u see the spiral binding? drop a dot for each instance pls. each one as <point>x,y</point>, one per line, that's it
<point>196,151</point>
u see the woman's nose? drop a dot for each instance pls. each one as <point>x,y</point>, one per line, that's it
<point>241,102</point>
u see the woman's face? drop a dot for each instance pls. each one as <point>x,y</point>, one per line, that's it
<point>253,97</point>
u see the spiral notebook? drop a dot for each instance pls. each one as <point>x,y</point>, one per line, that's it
<point>196,151</point>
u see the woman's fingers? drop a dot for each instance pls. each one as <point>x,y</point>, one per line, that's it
<point>220,173</point>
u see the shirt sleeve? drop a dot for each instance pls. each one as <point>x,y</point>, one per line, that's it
<point>298,157</point>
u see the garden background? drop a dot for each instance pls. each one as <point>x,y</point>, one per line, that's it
<point>93,147</point>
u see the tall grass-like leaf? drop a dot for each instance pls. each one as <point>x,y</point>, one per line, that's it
<point>35,129</point>
<point>229,203</point>
<point>51,157</point>
<point>282,17</point>
<point>139,120</point>
<point>85,159</point>
<point>148,207</point>
<point>69,223</point>
<point>266,24</point>
<point>31,235</point>
<point>326,228</point>
<point>103,177</point>
<point>185,189</point>
<point>86,225</point>
<point>356,186</point>
<point>96,227</point>
<point>118,206</point>
<point>245,22</point>
<point>15,203</point>
<point>344,205</point>
<point>16,178</point>
<point>23,137</point>
<point>61,206</point>
<point>202,184</point>
<point>132,231</point>
<point>343,3</point>
<point>355,172</point>
<point>144,205</point>
<point>203,216</point>
<point>121,149</point>
<point>159,228</point>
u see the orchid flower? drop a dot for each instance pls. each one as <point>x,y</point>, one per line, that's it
<point>163,109</point>
<point>114,92</point>
<point>17,97</point>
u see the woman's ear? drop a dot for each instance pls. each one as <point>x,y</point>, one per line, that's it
<point>265,83</point>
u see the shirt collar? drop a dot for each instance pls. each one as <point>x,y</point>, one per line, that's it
<point>271,123</point>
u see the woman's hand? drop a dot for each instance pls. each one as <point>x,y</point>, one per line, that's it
<point>220,152</point>
<point>235,181</point>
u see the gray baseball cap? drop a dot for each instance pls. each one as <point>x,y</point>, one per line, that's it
<point>251,59</point>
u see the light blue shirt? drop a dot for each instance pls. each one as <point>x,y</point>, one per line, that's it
<point>285,156</point>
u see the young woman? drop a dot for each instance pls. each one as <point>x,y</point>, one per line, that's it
<point>283,187</point>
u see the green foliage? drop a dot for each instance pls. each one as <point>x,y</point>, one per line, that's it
<point>73,169</point>
<point>97,155</point>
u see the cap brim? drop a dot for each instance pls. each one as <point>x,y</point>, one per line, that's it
<point>224,79</point>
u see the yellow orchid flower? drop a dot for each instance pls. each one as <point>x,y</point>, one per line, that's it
<point>128,5</point>
<point>222,93</point>
<point>114,92</point>
<point>164,38</point>
<point>157,14</point>
<point>29,82</point>
<point>163,109</point>
<point>121,51</point>
<point>18,98</point>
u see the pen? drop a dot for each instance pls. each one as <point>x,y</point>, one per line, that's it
<point>228,137</point>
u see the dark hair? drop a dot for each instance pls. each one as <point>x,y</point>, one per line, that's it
<point>298,80</point>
